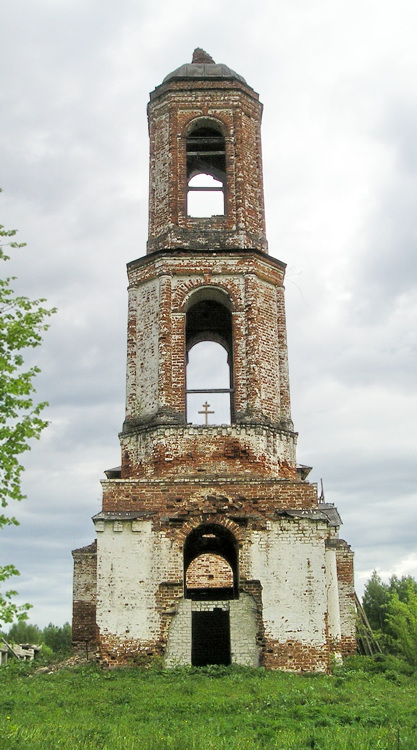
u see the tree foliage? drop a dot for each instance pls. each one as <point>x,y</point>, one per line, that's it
<point>402,622</point>
<point>22,324</point>
<point>56,637</point>
<point>391,609</point>
<point>375,600</point>
<point>9,610</point>
<point>24,632</point>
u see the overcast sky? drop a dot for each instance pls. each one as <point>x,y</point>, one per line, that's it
<point>338,80</point>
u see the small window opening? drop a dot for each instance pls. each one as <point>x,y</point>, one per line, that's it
<point>206,171</point>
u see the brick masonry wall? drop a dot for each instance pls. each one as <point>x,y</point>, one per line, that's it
<point>295,656</point>
<point>180,451</point>
<point>142,350</point>
<point>183,496</point>
<point>289,560</point>
<point>132,560</point>
<point>178,649</point>
<point>84,630</point>
<point>243,627</point>
<point>333,604</point>
<point>209,571</point>
<point>344,558</point>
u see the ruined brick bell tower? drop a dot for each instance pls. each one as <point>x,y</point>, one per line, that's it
<point>212,546</point>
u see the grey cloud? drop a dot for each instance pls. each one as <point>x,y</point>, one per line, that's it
<point>74,156</point>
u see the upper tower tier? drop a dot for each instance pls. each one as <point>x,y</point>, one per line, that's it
<point>205,186</point>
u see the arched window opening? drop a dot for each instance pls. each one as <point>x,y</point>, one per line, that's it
<point>206,170</point>
<point>211,564</point>
<point>209,389</point>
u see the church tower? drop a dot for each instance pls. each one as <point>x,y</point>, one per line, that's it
<point>212,547</point>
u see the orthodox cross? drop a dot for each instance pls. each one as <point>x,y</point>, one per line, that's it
<point>206,411</point>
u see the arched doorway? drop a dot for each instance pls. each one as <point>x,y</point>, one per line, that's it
<point>210,581</point>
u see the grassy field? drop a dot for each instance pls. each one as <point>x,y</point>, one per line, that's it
<point>86,708</point>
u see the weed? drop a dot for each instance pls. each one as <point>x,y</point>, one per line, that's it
<point>210,708</point>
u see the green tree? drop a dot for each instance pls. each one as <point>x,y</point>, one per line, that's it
<point>24,632</point>
<point>402,586</point>
<point>377,596</point>
<point>22,324</point>
<point>402,622</point>
<point>391,609</point>
<point>58,638</point>
<point>375,599</point>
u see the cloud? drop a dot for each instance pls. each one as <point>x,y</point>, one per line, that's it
<point>338,83</point>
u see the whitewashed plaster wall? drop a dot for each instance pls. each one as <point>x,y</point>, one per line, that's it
<point>289,560</point>
<point>332,596</point>
<point>131,562</point>
<point>244,649</point>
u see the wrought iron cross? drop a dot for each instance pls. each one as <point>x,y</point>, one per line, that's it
<point>206,411</point>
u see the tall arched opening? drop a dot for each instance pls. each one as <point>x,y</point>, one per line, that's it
<point>209,352</point>
<point>206,169</point>
<point>210,577</point>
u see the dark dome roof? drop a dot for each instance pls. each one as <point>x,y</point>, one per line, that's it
<point>203,66</point>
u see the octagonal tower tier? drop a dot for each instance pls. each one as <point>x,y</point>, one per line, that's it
<point>205,119</point>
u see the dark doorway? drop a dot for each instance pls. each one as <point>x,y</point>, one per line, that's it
<point>210,638</point>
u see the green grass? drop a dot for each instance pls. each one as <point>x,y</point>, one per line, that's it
<point>208,709</point>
